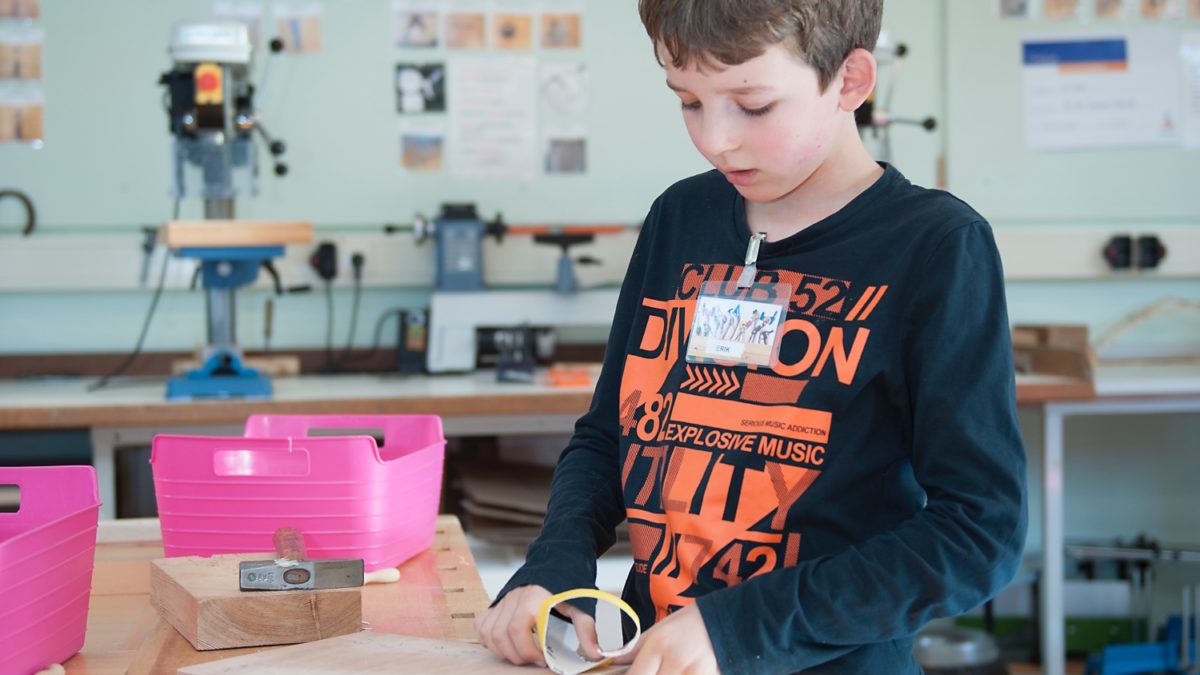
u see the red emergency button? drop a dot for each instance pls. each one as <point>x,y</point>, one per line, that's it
<point>208,84</point>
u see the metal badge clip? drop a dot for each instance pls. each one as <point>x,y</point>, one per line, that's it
<point>751,268</point>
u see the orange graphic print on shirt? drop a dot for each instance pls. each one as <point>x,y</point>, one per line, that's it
<point>717,456</point>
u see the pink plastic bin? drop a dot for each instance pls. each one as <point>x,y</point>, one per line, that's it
<point>47,550</point>
<point>349,497</point>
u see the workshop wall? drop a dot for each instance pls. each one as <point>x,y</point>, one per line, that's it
<point>105,172</point>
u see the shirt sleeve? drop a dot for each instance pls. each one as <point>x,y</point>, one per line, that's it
<point>586,502</point>
<point>968,456</point>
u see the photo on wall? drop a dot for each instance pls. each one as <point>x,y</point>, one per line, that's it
<point>566,155</point>
<point>562,30</point>
<point>21,53</point>
<point>1013,9</point>
<point>20,9</point>
<point>422,150</point>
<point>466,30</point>
<point>299,28</point>
<point>1112,9</point>
<point>1160,9</point>
<point>416,29</point>
<point>513,32</point>
<point>1062,9</point>
<point>420,87</point>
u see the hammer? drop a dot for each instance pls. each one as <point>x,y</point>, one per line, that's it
<point>291,570</point>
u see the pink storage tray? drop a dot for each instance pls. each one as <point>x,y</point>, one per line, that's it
<point>47,550</point>
<point>350,497</point>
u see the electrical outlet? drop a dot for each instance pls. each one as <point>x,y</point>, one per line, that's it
<point>324,261</point>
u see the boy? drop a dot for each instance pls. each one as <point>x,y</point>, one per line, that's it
<point>810,509</point>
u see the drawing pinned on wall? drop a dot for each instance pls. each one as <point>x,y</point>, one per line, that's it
<point>249,13</point>
<point>1012,9</point>
<point>566,154</point>
<point>422,148</point>
<point>299,27</point>
<point>512,31</point>
<point>466,30</point>
<point>1061,9</point>
<point>420,87</point>
<point>1112,9</point>
<point>563,90</point>
<point>1194,9</point>
<point>416,23</point>
<point>562,30</point>
<point>1161,9</point>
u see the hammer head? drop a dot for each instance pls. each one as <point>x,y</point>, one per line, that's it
<point>278,575</point>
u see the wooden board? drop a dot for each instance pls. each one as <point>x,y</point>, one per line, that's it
<point>233,233</point>
<point>201,599</point>
<point>368,653</point>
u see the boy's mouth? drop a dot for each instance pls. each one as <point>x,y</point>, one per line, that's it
<point>742,177</point>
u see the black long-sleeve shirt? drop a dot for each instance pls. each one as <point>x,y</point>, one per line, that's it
<point>820,511</point>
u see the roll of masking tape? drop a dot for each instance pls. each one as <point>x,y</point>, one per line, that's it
<point>560,644</point>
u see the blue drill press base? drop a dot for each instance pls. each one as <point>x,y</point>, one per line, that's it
<point>222,376</point>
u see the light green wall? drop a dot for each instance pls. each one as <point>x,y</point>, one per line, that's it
<point>105,169</point>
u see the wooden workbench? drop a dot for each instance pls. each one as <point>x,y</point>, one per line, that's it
<point>437,596</point>
<point>66,403</point>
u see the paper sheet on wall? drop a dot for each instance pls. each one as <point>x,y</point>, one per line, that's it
<point>1100,91</point>
<point>493,116</point>
<point>1189,51</point>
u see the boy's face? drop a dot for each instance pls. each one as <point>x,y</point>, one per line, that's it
<point>764,123</point>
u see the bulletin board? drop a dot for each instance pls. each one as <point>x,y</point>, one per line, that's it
<point>989,163</point>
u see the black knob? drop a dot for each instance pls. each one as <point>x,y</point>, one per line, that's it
<point>277,148</point>
<point>276,45</point>
<point>1119,252</point>
<point>1150,252</point>
<point>281,170</point>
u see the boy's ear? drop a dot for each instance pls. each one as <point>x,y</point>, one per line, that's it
<point>858,79</point>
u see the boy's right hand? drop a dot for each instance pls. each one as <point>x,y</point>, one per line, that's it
<point>508,628</point>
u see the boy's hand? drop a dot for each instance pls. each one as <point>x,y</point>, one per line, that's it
<point>508,628</point>
<point>677,644</point>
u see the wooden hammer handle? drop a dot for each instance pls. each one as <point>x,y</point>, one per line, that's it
<point>289,543</point>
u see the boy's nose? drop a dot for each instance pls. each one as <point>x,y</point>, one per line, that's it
<point>717,137</point>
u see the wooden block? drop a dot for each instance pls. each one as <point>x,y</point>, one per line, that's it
<point>222,233</point>
<point>282,365</point>
<point>200,598</point>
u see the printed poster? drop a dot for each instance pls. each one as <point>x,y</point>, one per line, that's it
<point>493,119</point>
<point>1101,91</point>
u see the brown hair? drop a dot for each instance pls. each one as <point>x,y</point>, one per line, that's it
<point>729,32</point>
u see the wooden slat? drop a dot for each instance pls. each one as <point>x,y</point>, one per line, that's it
<point>233,233</point>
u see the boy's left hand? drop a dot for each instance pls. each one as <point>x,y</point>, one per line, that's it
<point>677,644</point>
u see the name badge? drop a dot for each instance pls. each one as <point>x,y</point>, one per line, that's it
<point>738,326</point>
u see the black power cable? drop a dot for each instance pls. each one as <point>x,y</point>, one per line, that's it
<point>27,203</point>
<point>137,349</point>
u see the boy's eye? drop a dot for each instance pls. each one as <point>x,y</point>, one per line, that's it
<point>758,112</point>
<point>693,105</point>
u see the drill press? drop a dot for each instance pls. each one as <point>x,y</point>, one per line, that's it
<point>210,104</point>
